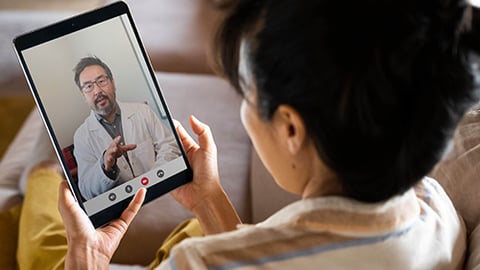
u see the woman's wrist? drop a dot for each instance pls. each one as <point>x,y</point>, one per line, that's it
<point>85,258</point>
<point>216,213</point>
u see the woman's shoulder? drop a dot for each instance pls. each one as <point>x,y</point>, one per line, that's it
<point>429,191</point>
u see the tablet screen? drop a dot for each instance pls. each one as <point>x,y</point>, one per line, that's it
<point>104,110</point>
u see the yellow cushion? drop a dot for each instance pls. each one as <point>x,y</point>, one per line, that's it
<point>189,228</point>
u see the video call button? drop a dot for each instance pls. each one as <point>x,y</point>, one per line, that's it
<point>128,189</point>
<point>160,173</point>
<point>144,181</point>
<point>112,197</point>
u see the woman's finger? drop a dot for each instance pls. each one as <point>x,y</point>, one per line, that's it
<point>131,211</point>
<point>117,228</point>
<point>187,141</point>
<point>65,197</point>
<point>205,137</point>
<point>73,216</point>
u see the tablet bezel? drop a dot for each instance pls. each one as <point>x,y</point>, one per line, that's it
<point>74,24</point>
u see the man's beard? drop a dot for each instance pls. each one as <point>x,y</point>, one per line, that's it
<point>106,110</point>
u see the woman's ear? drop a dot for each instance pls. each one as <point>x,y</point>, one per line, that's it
<point>289,124</point>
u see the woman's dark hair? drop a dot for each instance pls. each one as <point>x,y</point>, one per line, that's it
<point>380,84</point>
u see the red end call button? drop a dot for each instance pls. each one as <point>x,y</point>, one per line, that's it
<point>144,181</point>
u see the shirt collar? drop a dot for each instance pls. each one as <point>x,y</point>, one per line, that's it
<point>101,119</point>
<point>347,216</point>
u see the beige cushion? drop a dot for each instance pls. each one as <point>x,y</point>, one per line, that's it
<point>459,171</point>
<point>473,259</point>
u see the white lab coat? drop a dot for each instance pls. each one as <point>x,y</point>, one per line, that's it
<point>155,145</point>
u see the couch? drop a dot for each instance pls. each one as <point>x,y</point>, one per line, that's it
<point>177,35</point>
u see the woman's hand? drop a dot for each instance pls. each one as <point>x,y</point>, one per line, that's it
<point>203,159</point>
<point>89,248</point>
<point>204,196</point>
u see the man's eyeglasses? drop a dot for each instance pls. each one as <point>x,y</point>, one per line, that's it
<point>101,81</point>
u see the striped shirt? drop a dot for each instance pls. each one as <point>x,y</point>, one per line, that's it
<point>417,230</point>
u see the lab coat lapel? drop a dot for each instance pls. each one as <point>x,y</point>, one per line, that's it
<point>127,124</point>
<point>98,131</point>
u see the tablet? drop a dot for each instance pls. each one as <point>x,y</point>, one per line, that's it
<point>103,108</point>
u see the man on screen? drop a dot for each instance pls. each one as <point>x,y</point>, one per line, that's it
<point>117,141</point>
